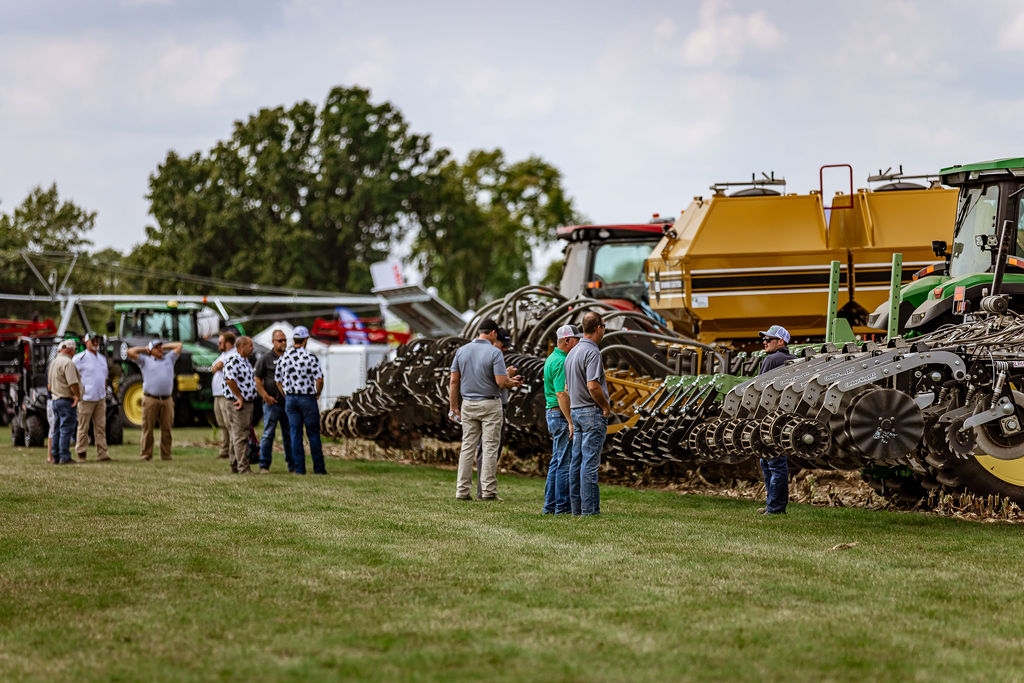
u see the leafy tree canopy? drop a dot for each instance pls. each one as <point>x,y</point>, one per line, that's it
<point>306,197</point>
<point>477,243</point>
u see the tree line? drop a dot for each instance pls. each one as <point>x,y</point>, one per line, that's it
<point>307,197</point>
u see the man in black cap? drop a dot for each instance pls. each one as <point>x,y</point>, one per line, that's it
<point>92,409</point>
<point>775,470</point>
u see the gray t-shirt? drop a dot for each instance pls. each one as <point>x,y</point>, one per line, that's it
<point>477,363</point>
<point>157,375</point>
<point>582,365</point>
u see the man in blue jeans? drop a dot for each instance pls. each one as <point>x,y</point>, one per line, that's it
<point>65,387</point>
<point>590,408</point>
<point>775,470</point>
<point>556,403</point>
<point>273,404</point>
<point>300,379</point>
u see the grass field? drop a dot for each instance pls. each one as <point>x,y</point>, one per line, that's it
<point>178,570</point>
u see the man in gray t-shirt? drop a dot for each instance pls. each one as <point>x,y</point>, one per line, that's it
<point>590,407</point>
<point>479,375</point>
<point>156,361</point>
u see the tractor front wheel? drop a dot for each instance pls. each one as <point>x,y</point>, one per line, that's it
<point>130,398</point>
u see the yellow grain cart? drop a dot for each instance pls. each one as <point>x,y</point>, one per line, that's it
<point>734,265</point>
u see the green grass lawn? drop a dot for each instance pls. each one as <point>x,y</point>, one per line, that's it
<point>178,570</point>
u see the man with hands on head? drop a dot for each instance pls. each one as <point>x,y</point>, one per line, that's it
<point>156,361</point>
<point>478,374</point>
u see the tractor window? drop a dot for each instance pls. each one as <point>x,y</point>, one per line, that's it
<point>976,217</point>
<point>574,273</point>
<point>186,328</point>
<point>158,324</point>
<point>1020,224</point>
<point>621,264</point>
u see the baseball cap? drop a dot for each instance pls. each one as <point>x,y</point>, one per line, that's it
<point>90,335</point>
<point>776,332</point>
<point>567,331</point>
<point>68,344</point>
<point>505,337</point>
<point>488,325</point>
<point>300,332</point>
<point>153,344</point>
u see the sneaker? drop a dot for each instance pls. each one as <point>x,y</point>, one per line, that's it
<point>81,458</point>
<point>264,470</point>
<point>469,498</point>
<point>762,511</point>
<point>497,499</point>
<point>105,458</point>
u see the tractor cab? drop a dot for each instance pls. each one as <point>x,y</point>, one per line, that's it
<point>607,261</point>
<point>989,221</point>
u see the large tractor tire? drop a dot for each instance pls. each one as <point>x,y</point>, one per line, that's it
<point>35,431</point>
<point>17,431</point>
<point>130,398</point>
<point>984,475</point>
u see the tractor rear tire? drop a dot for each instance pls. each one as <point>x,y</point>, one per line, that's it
<point>129,396</point>
<point>35,432</point>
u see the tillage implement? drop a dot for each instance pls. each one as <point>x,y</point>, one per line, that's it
<point>940,406</point>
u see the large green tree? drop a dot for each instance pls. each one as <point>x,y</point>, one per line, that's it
<point>477,242</point>
<point>305,197</point>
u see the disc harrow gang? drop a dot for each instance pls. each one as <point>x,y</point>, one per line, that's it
<point>930,408</point>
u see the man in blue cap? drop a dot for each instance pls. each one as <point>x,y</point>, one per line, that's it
<point>775,470</point>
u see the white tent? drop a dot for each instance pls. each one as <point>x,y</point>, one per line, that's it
<point>264,338</point>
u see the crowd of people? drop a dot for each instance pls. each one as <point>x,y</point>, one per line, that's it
<point>289,380</point>
<point>577,411</point>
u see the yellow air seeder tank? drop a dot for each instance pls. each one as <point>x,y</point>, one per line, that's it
<point>732,266</point>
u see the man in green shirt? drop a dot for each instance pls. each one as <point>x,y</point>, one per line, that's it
<point>556,402</point>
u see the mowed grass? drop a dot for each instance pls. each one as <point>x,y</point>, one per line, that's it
<point>178,570</point>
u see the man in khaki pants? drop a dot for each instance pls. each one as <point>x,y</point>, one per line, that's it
<point>92,409</point>
<point>240,383</point>
<point>156,360</point>
<point>479,375</point>
<point>221,401</point>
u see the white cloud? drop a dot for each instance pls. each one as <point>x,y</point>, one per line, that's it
<point>1011,36</point>
<point>722,36</point>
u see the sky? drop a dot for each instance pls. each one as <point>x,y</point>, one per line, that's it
<point>642,105</point>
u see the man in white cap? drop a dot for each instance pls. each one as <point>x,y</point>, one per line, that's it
<point>65,387</point>
<point>156,361</point>
<point>556,403</point>
<point>775,470</point>
<point>299,378</point>
<point>92,409</point>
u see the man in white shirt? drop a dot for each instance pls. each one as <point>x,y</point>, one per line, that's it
<point>92,408</point>
<point>221,401</point>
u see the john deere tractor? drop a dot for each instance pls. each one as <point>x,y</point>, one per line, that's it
<point>142,322</point>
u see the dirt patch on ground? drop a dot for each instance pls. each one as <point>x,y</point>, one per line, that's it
<point>825,488</point>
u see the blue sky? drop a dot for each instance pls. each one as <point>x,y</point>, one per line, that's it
<point>642,105</point>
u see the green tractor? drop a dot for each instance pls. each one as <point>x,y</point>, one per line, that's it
<point>191,324</point>
<point>984,270</point>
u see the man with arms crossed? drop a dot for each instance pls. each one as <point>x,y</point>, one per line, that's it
<point>92,367</point>
<point>479,375</point>
<point>156,360</point>
<point>590,408</point>
<point>556,402</point>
